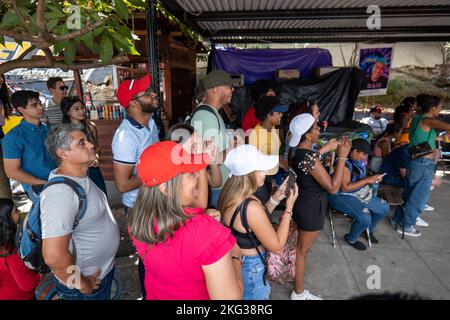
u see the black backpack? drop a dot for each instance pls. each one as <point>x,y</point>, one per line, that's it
<point>202,107</point>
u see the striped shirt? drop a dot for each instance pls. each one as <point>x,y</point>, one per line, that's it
<point>53,114</point>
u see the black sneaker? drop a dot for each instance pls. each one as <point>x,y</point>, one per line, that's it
<point>373,240</point>
<point>358,245</point>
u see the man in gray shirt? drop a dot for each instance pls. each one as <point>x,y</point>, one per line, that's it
<point>58,89</point>
<point>81,257</point>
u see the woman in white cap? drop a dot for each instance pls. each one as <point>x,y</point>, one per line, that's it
<point>314,183</point>
<point>249,219</point>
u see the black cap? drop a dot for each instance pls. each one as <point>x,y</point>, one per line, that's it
<point>362,145</point>
<point>267,104</point>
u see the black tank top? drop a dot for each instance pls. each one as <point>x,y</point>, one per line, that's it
<point>246,240</point>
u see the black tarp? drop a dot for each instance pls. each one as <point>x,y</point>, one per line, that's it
<point>335,93</point>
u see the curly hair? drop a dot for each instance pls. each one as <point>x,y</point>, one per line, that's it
<point>7,226</point>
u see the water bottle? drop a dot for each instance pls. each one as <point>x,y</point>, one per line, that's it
<point>375,187</point>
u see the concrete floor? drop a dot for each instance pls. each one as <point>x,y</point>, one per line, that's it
<point>413,265</point>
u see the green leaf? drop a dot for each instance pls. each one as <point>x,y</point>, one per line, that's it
<point>88,41</point>
<point>23,3</point>
<point>97,32</point>
<point>52,24</point>
<point>2,40</point>
<point>121,9</point>
<point>124,31</point>
<point>121,43</point>
<point>59,46</point>
<point>69,52</point>
<point>54,13</point>
<point>10,19</point>
<point>106,49</point>
<point>138,3</point>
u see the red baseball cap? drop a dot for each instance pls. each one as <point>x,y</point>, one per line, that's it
<point>377,108</point>
<point>164,160</point>
<point>129,88</point>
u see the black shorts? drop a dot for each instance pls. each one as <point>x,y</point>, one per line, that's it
<point>310,210</point>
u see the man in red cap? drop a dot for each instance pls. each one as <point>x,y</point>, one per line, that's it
<point>375,120</point>
<point>136,132</point>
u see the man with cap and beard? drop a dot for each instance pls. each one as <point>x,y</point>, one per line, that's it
<point>207,121</point>
<point>136,132</point>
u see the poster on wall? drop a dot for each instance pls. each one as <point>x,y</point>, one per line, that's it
<point>376,63</point>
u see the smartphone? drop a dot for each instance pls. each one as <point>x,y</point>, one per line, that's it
<point>291,182</point>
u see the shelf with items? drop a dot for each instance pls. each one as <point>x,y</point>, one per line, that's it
<point>106,111</point>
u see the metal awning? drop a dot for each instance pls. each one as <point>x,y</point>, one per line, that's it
<point>262,21</point>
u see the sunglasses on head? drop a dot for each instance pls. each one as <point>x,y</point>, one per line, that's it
<point>63,88</point>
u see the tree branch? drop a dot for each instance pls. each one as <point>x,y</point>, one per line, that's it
<point>26,52</point>
<point>89,27</point>
<point>45,63</point>
<point>18,36</point>
<point>40,18</point>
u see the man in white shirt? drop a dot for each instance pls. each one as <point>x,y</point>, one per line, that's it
<point>82,256</point>
<point>136,132</point>
<point>375,121</point>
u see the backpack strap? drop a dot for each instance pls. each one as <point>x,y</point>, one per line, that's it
<point>204,107</point>
<point>244,222</point>
<point>82,198</point>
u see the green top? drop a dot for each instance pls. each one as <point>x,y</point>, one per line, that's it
<point>417,135</point>
<point>210,126</point>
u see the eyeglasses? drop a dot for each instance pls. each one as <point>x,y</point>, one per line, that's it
<point>147,92</point>
<point>63,88</point>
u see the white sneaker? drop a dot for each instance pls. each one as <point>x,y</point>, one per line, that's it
<point>305,295</point>
<point>413,232</point>
<point>421,223</point>
<point>428,208</point>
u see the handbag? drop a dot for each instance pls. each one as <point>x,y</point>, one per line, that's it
<point>281,267</point>
<point>421,149</point>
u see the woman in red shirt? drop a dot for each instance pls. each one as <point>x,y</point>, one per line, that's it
<point>187,254</point>
<point>17,282</point>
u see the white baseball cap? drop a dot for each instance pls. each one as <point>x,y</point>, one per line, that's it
<point>298,126</point>
<point>246,158</point>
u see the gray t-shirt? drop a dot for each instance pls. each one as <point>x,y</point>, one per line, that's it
<point>95,240</point>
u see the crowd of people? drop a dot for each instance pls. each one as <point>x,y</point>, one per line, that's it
<point>205,206</point>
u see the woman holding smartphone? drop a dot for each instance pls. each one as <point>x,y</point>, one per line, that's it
<point>314,183</point>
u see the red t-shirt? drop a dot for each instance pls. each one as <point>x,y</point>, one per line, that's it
<point>17,282</point>
<point>173,269</point>
<point>249,121</point>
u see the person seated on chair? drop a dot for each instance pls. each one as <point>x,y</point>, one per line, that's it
<point>394,166</point>
<point>355,197</point>
<point>383,146</point>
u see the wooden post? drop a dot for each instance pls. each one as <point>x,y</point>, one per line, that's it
<point>78,84</point>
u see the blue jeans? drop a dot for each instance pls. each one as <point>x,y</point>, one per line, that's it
<point>253,272</point>
<point>419,177</point>
<point>214,198</point>
<point>102,293</point>
<point>354,208</point>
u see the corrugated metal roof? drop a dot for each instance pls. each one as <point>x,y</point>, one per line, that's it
<point>276,20</point>
<point>247,5</point>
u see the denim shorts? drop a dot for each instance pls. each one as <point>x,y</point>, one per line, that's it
<point>253,273</point>
<point>102,293</point>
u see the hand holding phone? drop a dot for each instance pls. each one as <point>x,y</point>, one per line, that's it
<point>291,182</point>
